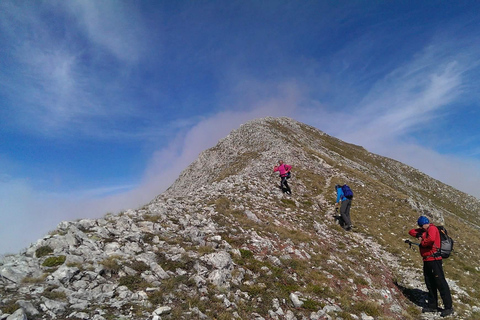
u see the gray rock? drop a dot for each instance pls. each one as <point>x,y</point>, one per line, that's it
<point>297,303</point>
<point>28,307</point>
<point>219,260</point>
<point>162,310</point>
<point>63,274</point>
<point>18,315</point>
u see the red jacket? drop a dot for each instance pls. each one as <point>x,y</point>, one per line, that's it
<point>430,241</point>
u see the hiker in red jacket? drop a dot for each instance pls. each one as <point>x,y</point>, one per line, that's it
<point>429,238</point>
<point>284,170</point>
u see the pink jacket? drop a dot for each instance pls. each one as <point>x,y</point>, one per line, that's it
<point>283,169</point>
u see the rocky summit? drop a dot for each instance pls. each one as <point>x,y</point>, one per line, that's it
<point>224,242</point>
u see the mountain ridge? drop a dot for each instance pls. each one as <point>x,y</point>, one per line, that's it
<point>223,242</point>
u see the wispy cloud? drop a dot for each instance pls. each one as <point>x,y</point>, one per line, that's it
<point>115,26</point>
<point>407,102</point>
<point>404,100</point>
<point>55,75</point>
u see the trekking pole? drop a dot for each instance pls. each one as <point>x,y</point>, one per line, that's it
<point>410,243</point>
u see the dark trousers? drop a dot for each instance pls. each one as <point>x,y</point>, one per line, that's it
<point>284,185</point>
<point>435,280</point>
<point>345,212</point>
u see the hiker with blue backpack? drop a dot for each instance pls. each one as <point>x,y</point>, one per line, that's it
<point>430,243</point>
<point>344,200</point>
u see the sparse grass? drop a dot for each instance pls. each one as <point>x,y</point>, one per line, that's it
<point>222,205</point>
<point>10,307</point>
<point>53,293</point>
<point>51,262</point>
<point>133,283</point>
<point>78,265</point>
<point>313,182</point>
<point>148,237</point>
<point>202,250</point>
<point>33,280</point>
<point>288,203</point>
<point>246,254</point>
<point>152,218</point>
<point>371,308</point>
<point>112,264</point>
<point>139,266</point>
<point>185,262</point>
<point>311,305</point>
<point>156,297</point>
<point>240,163</point>
<point>43,251</point>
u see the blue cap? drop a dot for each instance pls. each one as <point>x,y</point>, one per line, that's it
<point>422,220</point>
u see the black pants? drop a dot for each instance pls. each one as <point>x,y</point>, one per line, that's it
<point>284,185</point>
<point>345,213</point>
<point>435,280</point>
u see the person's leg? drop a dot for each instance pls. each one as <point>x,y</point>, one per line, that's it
<point>431,285</point>
<point>441,283</point>
<point>287,187</point>
<point>284,185</point>
<point>347,213</point>
<point>343,213</point>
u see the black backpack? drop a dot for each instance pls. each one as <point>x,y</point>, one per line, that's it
<point>446,243</point>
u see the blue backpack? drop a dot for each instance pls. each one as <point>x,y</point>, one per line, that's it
<point>347,192</point>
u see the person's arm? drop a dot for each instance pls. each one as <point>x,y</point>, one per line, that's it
<point>275,169</point>
<point>416,233</point>
<point>339,195</point>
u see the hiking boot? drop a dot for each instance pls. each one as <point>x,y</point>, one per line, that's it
<point>446,312</point>
<point>428,309</point>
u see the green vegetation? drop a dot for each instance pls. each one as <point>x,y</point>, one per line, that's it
<point>112,264</point>
<point>240,163</point>
<point>152,218</point>
<point>246,254</point>
<point>133,283</point>
<point>32,280</point>
<point>43,251</point>
<point>289,203</point>
<point>139,266</point>
<point>53,293</point>
<point>54,261</point>
<point>10,307</point>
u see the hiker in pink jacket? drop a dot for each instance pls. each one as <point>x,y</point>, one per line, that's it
<point>284,170</point>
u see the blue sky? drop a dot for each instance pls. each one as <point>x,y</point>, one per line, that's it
<point>103,103</point>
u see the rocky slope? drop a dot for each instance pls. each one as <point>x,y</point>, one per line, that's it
<point>223,242</point>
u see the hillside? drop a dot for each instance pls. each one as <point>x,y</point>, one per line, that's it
<point>223,242</point>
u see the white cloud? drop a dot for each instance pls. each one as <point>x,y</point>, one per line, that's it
<point>60,78</point>
<point>31,213</point>
<point>115,26</point>
<point>408,99</point>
